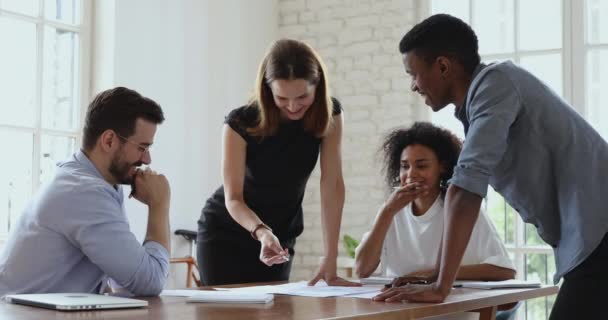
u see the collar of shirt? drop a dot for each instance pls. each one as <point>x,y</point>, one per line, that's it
<point>85,163</point>
<point>434,209</point>
<point>461,113</point>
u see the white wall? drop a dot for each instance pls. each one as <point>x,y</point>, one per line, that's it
<point>198,59</point>
<point>358,39</point>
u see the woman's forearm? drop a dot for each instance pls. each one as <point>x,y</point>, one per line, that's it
<point>478,272</point>
<point>484,272</point>
<point>332,204</point>
<point>369,251</point>
<point>242,214</point>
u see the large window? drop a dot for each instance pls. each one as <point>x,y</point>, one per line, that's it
<point>42,77</point>
<point>563,42</point>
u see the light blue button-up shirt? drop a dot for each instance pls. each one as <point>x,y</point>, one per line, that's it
<point>74,234</point>
<point>535,150</point>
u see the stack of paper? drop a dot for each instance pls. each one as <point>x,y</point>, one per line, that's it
<point>377,280</point>
<point>320,290</point>
<point>220,296</point>
<point>499,284</point>
<point>230,297</point>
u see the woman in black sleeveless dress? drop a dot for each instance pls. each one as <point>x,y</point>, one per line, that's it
<point>248,227</point>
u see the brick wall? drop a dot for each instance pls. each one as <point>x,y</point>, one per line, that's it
<point>358,40</point>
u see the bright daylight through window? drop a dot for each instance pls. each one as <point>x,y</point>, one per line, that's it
<point>41,85</point>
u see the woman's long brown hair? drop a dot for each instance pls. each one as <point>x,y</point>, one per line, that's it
<point>290,59</point>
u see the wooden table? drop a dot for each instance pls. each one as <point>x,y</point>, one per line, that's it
<point>292,307</point>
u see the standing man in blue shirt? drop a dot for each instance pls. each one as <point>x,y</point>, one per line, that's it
<point>528,144</point>
<point>74,235</point>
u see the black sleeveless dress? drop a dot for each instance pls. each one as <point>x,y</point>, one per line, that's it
<point>276,173</point>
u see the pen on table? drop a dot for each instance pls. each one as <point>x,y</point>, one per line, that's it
<point>390,285</point>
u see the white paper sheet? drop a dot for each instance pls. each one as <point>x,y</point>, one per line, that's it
<point>301,288</point>
<point>178,293</point>
<point>222,296</point>
<point>377,280</point>
<point>367,295</point>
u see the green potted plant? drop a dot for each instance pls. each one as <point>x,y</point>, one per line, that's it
<point>350,244</point>
<point>347,263</point>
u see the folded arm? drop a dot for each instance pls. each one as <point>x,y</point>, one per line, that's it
<point>105,238</point>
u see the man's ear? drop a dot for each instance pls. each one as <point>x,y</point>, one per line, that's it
<point>108,140</point>
<point>445,66</point>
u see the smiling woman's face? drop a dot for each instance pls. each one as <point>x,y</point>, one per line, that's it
<point>293,97</point>
<point>419,163</point>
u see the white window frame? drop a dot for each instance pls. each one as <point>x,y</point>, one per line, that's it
<point>84,35</point>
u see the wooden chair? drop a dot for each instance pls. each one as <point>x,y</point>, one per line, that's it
<point>191,267</point>
<point>192,270</point>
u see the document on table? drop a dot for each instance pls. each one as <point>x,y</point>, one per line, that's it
<point>367,295</point>
<point>377,280</point>
<point>223,296</point>
<point>320,290</point>
<point>506,284</point>
<point>178,293</point>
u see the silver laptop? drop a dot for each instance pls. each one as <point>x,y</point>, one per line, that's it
<point>75,301</point>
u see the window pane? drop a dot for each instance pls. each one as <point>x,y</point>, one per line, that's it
<point>501,215</point>
<point>59,106</point>
<point>539,267</point>
<point>54,149</point>
<point>18,75</point>
<point>539,308</point>
<point>67,11</point>
<point>531,236</point>
<point>446,119</point>
<point>457,8</point>
<point>597,94</point>
<point>547,67</point>
<point>534,35</point>
<point>29,7</point>
<point>493,24</point>
<point>15,176</point>
<point>597,27</point>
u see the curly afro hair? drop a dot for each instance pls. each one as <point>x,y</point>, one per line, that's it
<point>443,142</point>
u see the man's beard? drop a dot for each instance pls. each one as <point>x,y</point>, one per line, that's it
<point>120,170</point>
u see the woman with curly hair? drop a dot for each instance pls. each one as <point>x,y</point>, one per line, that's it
<point>405,238</point>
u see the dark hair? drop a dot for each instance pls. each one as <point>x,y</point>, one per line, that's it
<point>444,144</point>
<point>291,59</point>
<point>443,35</point>
<point>118,109</point>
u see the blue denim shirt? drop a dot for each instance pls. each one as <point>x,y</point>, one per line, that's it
<point>537,152</point>
<point>74,234</point>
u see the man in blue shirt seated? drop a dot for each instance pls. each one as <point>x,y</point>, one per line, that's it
<point>74,235</point>
<point>526,142</point>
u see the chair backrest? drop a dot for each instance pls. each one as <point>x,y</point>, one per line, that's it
<point>192,270</point>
